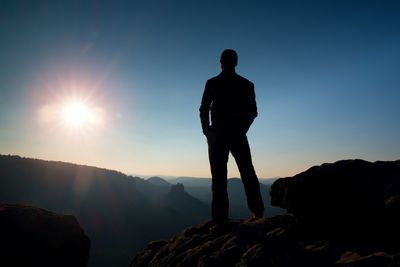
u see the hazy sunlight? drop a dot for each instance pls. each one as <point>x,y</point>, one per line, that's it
<point>75,114</point>
<point>79,114</point>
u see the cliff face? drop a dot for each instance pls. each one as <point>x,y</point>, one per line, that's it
<point>342,214</point>
<point>36,237</point>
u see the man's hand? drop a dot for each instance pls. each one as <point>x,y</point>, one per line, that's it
<point>244,127</point>
<point>210,135</point>
<point>206,130</point>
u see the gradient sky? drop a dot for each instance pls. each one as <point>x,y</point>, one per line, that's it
<point>326,74</point>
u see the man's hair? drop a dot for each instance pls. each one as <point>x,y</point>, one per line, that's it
<point>229,58</point>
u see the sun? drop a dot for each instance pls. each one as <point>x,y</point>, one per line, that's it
<point>74,109</point>
<point>79,115</point>
<point>75,114</point>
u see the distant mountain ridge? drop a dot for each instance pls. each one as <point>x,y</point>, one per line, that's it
<point>155,180</point>
<point>205,182</point>
<point>237,197</point>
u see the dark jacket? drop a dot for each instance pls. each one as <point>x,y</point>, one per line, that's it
<point>232,102</point>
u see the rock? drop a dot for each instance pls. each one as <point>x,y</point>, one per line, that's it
<point>36,237</point>
<point>279,241</point>
<point>345,197</point>
<point>178,188</point>
<point>198,246</point>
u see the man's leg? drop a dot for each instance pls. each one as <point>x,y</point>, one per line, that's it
<point>218,152</point>
<point>240,150</point>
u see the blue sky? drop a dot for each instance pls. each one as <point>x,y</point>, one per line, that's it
<point>326,75</point>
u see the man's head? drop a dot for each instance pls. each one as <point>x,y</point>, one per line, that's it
<point>229,59</point>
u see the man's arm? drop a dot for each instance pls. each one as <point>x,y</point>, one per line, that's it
<point>252,108</point>
<point>205,109</point>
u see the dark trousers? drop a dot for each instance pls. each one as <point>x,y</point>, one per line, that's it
<point>219,146</point>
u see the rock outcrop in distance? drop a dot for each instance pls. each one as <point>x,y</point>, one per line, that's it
<point>36,237</point>
<point>340,214</point>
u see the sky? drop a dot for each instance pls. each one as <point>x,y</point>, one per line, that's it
<point>326,75</point>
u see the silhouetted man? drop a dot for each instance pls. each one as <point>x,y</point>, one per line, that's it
<point>231,100</point>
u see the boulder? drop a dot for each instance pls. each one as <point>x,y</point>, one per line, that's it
<point>32,236</point>
<point>348,196</point>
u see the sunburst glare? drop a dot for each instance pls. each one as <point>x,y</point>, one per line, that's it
<point>74,111</point>
<point>75,114</point>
